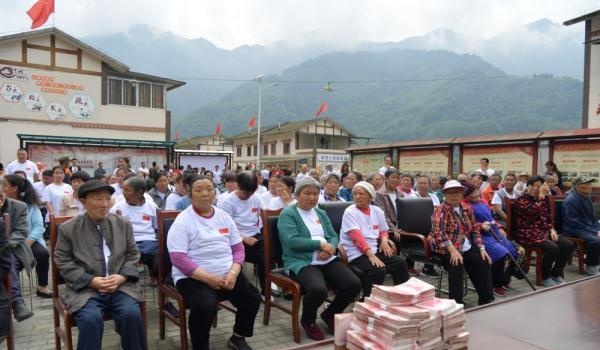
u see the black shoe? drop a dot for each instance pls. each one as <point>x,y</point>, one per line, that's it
<point>430,271</point>
<point>20,311</point>
<point>171,309</point>
<point>238,343</point>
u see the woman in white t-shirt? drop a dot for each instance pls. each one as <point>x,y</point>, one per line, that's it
<point>207,253</point>
<point>54,192</point>
<point>308,242</point>
<point>364,236</point>
<point>142,214</point>
<point>285,196</point>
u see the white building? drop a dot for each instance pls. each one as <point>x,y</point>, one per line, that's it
<point>54,86</point>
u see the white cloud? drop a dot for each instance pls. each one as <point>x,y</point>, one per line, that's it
<point>231,23</point>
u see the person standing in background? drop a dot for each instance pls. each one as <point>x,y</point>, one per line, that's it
<point>23,163</point>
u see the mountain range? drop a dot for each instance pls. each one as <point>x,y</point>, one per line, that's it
<point>543,48</point>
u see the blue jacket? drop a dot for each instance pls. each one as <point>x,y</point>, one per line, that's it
<point>578,215</point>
<point>35,223</point>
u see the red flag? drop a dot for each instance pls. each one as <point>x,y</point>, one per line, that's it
<point>219,129</point>
<point>252,123</point>
<point>177,136</point>
<point>322,109</point>
<point>40,12</point>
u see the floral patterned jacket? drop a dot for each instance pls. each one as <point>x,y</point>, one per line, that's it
<point>532,219</point>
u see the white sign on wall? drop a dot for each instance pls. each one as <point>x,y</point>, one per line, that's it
<point>82,106</point>
<point>11,92</point>
<point>34,102</point>
<point>56,111</point>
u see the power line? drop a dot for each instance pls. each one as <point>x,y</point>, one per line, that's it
<point>383,81</point>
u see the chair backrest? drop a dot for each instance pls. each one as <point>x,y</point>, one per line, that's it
<point>335,212</point>
<point>414,215</point>
<point>165,218</point>
<point>556,203</point>
<point>55,222</point>
<point>272,244</point>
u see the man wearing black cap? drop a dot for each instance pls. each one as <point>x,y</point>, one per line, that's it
<point>578,220</point>
<point>96,255</point>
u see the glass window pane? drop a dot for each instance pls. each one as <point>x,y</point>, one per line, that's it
<point>115,91</point>
<point>129,95</point>
<point>157,96</point>
<point>144,94</point>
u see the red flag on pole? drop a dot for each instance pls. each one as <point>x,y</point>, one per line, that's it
<point>252,123</point>
<point>176,135</point>
<point>40,12</point>
<point>219,129</point>
<point>322,109</point>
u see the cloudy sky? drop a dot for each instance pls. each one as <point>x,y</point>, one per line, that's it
<point>231,23</point>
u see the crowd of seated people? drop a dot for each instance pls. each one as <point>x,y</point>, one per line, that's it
<point>219,228</point>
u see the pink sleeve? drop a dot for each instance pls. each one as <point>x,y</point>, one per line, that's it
<point>383,233</point>
<point>239,254</point>
<point>183,263</point>
<point>359,240</point>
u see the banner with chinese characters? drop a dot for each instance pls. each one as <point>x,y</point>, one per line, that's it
<point>425,162</point>
<point>368,163</point>
<point>335,160</point>
<point>578,159</point>
<point>503,159</point>
<point>88,157</point>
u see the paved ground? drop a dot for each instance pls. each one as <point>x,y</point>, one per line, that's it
<point>37,332</point>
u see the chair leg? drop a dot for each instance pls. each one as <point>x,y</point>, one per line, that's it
<point>580,258</point>
<point>57,341</point>
<point>161,316</point>
<point>68,335</point>
<point>538,268</point>
<point>438,291</point>
<point>296,317</point>
<point>267,305</point>
<point>183,328</point>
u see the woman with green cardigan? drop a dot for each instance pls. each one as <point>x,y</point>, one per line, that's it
<point>308,241</point>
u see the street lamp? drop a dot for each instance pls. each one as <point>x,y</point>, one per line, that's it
<point>259,79</point>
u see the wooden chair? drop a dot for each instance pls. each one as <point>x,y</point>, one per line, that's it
<point>166,289</point>
<point>63,333</point>
<point>511,231</point>
<point>556,214</point>
<point>273,252</point>
<point>10,338</point>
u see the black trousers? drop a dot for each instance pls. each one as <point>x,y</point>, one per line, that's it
<point>479,273</point>
<point>555,257</point>
<point>255,254</point>
<point>42,263</point>
<point>202,301</point>
<point>394,265</point>
<point>314,279</point>
<point>501,271</point>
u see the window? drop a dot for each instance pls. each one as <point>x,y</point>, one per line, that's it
<point>129,93</point>
<point>286,148</point>
<point>126,92</point>
<point>273,149</point>
<point>265,149</point>
<point>239,151</point>
<point>157,96</point>
<point>248,151</point>
<point>145,94</point>
<point>255,148</point>
<point>115,91</point>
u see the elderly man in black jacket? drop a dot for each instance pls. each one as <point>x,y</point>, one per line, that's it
<point>96,255</point>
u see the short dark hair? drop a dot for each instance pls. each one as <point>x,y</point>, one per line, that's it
<point>510,175</point>
<point>81,175</point>
<point>57,167</point>
<point>247,181</point>
<point>288,181</point>
<point>533,179</point>
<point>229,177</point>
<point>47,172</point>
<point>391,172</point>
<point>487,161</point>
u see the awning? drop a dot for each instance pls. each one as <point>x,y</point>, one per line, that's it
<point>93,141</point>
